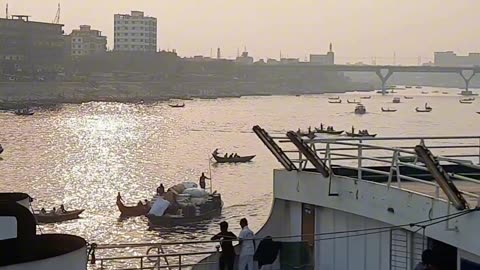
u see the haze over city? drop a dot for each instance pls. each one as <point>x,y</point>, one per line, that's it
<point>358,29</point>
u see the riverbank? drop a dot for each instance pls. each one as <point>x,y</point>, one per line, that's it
<point>32,94</point>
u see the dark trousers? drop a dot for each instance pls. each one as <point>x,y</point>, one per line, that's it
<point>226,262</point>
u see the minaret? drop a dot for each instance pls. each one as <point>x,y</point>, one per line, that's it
<point>218,53</point>
<point>331,47</point>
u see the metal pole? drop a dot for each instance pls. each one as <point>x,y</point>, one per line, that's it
<point>210,172</point>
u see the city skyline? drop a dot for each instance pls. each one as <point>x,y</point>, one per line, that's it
<point>359,30</point>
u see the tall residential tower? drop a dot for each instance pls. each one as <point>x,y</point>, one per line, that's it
<point>135,32</point>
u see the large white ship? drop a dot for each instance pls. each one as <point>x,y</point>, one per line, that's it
<point>347,203</point>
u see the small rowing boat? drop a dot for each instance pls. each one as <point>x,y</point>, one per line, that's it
<point>335,101</point>
<point>465,101</point>
<point>237,159</point>
<point>360,134</point>
<point>388,110</point>
<point>353,102</point>
<point>57,217</point>
<point>407,97</point>
<point>177,105</point>
<point>331,132</point>
<point>366,97</point>
<point>132,211</point>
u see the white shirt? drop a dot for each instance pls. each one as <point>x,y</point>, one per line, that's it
<point>248,247</point>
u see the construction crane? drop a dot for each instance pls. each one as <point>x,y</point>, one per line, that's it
<point>57,16</point>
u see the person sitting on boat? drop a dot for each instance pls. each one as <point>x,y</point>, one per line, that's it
<point>309,129</point>
<point>54,211</point>
<point>299,131</point>
<point>160,190</point>
<point>231,155</point>
<point>353,130</point>
<point>43,211</point>
<point>226,155</point>
<point>62,209</point>
<point>321,126</point>
<point>201,182</point>
<point>147,203</point>
<point>139,203</point>
<point>215,152</point>
<point>236,155</point>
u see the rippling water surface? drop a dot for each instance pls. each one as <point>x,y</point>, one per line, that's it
<point>82,155</point>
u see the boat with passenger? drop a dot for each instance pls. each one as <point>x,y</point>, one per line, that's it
<point>425,109</point>
<point>54,216</point>
<point>396,100</point>
<point>407,97</point>
<point>232,158</point>
<point>24,112</point>
<point>353,101</point>
<point>329,130</point>
<point>360,109</point>
<point>361,133</point>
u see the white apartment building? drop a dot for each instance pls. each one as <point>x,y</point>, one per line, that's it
<point>135,32</point>
<point>86,41</point>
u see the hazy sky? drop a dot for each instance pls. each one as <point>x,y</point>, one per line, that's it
<point>357,28</point>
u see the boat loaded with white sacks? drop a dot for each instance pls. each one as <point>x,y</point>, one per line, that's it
<point>20,246</point>
<point>353,204</point>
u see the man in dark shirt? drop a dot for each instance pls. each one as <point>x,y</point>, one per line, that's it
<point>227,257</point>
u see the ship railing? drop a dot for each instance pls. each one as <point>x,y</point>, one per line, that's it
<point>152,255</point>
<point>357,154</point>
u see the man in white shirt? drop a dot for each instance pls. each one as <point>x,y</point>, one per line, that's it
<point>247,246</point>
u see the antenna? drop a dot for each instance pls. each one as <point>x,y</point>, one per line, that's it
<point>57,16</point>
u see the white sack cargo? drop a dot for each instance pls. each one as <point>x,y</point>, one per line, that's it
<point>196,192</point>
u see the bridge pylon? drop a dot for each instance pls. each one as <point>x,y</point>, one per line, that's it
<point>467,76</point>
<point>384,78</point>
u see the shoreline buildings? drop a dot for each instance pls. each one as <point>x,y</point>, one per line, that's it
<point>135,32</point>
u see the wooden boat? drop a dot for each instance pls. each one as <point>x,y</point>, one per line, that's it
<point>212,208</point>
<point>478,112</point>
<point>220,159</point>
<point>427,109</point>
<point>407,97</point>
<point>445,93</point>
<point>407,87</point>
<point>1,149</point>
<point>177,105</point>
<point>465,101</point>
<point>24,112</point>
<point>435,92</point>
<point>58,217</point>
<point>418,87</point>
<point>396,100</point>
<point>359,134</point>
<point>334,98</point>
<point>360,109</point>
<point>388,110</point>
<point>353,102</point>
<point>132,211</point>
<point>335,101</point>
<point>366,97</point>
<point>332,132</point>
<point>424,92</point>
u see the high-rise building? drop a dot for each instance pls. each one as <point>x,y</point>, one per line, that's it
<point>85,41</point>
<point>135,32</point>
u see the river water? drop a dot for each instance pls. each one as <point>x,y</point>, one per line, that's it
<point>82,155</point>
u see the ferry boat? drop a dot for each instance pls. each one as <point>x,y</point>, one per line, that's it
<point>343,202</point>
<point>360,109</point>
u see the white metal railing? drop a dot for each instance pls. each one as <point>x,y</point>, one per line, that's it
<point>152,255</point>
<point>368,155</point>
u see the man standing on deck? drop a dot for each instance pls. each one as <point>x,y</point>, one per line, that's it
<point>202,181</point>
<point>247,246</point>
<point>227,257</point>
